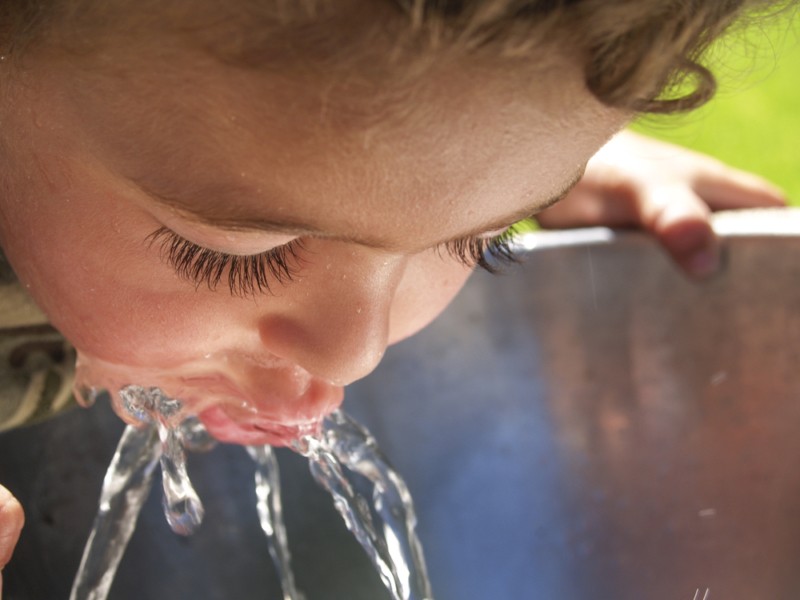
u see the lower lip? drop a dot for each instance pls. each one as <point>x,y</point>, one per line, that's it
<point>253,432</point>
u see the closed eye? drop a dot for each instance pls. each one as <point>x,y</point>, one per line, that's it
<point>488,253</point>
<point>244,275</point>
<point>248,275</point>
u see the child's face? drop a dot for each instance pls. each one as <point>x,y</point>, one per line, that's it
<point>102,151</point>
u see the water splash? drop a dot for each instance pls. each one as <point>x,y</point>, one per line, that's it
<point>182,506</point>
<point>270,514</point>
<point>373,500</point>
<point>343,458</point>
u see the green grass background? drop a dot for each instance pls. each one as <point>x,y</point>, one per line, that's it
<point>754,121</point>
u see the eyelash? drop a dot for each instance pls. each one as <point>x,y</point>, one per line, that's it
<point>251,274</point>
<point>488,253</point>
<point>246,275</point>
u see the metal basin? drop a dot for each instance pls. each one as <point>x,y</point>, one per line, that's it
<point>593,426</point>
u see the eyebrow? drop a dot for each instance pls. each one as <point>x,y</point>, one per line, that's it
<point>213,217</point>
<point>529,211</point>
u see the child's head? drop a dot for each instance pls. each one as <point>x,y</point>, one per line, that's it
<point>245,205</point>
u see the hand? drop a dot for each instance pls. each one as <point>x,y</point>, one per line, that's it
<point>11,521</point>
<point>665,189</point>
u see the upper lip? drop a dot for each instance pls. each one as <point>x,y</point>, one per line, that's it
<point>304,404</point>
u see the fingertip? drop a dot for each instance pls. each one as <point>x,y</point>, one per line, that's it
<point>703,263</point>
<point>12,519</point>
<point>767,194</point>
<point>692,243</point>
<point>761,186</point>
<point>739,189</point>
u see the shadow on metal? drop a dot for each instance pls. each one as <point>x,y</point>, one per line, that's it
<point>593,426</point>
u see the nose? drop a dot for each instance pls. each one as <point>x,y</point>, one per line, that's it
<point>333,321</point>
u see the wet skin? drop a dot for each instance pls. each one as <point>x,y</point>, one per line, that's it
<point>141,129</point>
<point>102,152</point>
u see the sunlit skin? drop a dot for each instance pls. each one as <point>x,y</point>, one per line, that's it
<point>98,166</point>
<point>372,172</point>
<point>242,161</point>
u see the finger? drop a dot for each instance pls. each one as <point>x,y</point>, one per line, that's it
<point>680,221</point>
<point>725,188</point>
<point>589,205</point>
<point>11,521</point>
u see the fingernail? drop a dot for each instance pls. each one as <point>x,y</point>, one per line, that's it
<point>703,263</point>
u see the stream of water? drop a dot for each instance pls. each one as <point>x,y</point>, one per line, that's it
<point>373,500</point>
<point>125,489</point>
<point>270,515</point>
<point>343,458</point>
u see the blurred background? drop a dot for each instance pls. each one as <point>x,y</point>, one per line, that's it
<point>754,121</point>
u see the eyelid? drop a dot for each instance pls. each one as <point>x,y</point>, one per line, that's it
<point>239,248</point>
<point>494,233</point>
<point>226,241</point>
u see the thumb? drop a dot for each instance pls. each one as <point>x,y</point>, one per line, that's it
<point>11,521</point>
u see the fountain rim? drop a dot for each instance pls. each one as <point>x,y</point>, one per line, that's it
<point>754,223</point>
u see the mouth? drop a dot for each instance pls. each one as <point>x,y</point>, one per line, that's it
<point>253,430</point>
<point>272,406</point>
<point>234,414</point>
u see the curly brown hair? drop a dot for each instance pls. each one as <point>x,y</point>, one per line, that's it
<point>641,55</point>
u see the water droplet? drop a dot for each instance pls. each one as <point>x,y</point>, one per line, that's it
<point>182,507</point>
<point>194,436</point>
<point>87,396</point>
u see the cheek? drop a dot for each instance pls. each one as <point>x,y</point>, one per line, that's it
<point>84,257</point>
<point>429,284</point>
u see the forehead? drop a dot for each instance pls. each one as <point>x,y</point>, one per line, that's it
<point>457,144</point>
